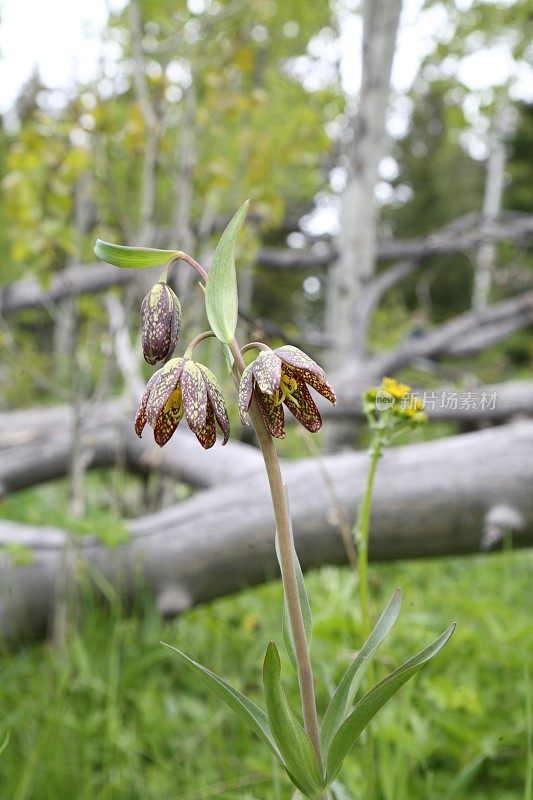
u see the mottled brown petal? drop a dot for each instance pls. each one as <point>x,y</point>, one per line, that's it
<point>246,386</point>
<point>306,411</point>
<point>272,414</point>
<point>207,434</point>
<point>319,384</point>
<point>217,401</point>
<point>194,395</point>
<point>165,425</point>
<point>299,360</point>
<point>160,323</point>
<point>267,371</point>
<point>140,417</point>
<point>168,379</point>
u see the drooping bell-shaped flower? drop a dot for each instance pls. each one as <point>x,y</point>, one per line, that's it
<point>183,387</point>
<point>160,323</point>
<point>281,376</point>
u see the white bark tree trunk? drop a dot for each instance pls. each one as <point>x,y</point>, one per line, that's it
<point>357,239</point>
<point>492,204</point>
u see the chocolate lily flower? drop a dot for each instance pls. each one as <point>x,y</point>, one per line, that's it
<point>160,323</point>
<point>282,376</point>
<point>183,387</point>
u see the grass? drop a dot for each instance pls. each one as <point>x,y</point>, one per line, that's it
<point>114,717</point>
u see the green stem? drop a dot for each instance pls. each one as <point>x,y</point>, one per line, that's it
<point>362,533</point>
<point>181,256</point>
<point>196,341</point>
<point>361,536</point>
<point>288,572</point>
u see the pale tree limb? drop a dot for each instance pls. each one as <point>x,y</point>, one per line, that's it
<point>89,278</point>
<point>466,333</point>
<point>459,236</point>
<point>488,403</point>
<point>431,499</point>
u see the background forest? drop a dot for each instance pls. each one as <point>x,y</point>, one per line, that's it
<point>388,154</point>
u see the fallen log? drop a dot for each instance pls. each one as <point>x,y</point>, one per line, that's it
<point>431,499</point>
<point>36,444</point>
<point>487,403</point>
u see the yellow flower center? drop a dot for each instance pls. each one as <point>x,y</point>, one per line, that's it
<point>174,404</point>
<point>286,390</point>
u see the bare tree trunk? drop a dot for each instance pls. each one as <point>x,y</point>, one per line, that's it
<point>436,498</point>
<point>492,203</point>
<point>146,228</point>
<point>182,234</point>
<point>357,239</point>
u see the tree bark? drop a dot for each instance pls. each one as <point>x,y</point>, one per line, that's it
<point>431,499</point>
<point>358,235</point>
<point>492,203</point>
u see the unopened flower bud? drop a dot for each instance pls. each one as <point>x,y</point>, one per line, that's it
<point>160,323</point>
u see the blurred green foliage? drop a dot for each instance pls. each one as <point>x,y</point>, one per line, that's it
<point>113,716</point>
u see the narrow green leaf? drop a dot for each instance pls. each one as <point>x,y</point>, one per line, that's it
<point>221,301</point>
<point>339,703</point>
<point>121,256</point>
<point>247,709</point>
<point>304,601</point>
<point>371,703</point>
<point>293,742</point>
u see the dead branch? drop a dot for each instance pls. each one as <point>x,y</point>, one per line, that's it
<point>455,237</point>
<point>466,333</point>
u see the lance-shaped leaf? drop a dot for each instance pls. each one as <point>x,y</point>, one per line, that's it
<point>339,703</point>
<point>288,639</point>
<point>245,708</point>
<point>371,703</point>
<point>293,742</point>
<point>136,257</point>
<point>221,301</point>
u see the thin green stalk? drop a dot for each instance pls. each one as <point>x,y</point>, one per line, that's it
<point>288,572</point>
<point>362,532</point>
<point>196,341</point>
<point>361,535</point>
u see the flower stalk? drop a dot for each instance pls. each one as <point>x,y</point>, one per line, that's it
<point>288,571</point>
<point>196,341</point>
<point>361,533</point>
<point>390,410</point>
